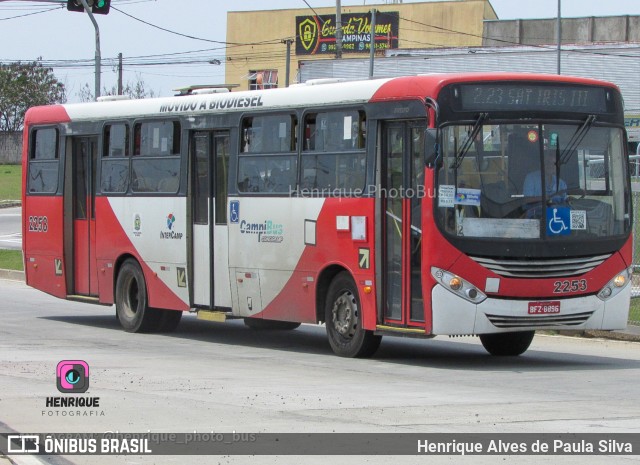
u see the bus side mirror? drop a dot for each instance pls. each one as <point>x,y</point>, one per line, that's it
<point>431,146</point>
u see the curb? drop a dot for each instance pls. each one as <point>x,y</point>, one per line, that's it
<point>624,335</point>
<point>12,275</point>
<point>10,203</point>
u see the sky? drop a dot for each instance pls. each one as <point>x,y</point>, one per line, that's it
<point>149,32</point>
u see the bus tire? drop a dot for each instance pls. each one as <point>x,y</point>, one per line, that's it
<point>260,324</point>
<point>132,308</point>
<point>507,344</point>
<point>343,318</point>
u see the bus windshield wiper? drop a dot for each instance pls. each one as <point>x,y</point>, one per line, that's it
<point>576,139</point>
<point>469,141</point>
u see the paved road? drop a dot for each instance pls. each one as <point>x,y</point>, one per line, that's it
<point>223,377</point>
<point>10,228</point>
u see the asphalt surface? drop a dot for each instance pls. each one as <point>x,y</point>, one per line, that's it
<point>224,377</point>
<point>10,228</point>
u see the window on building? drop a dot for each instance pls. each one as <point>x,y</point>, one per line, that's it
<point>263,79</point>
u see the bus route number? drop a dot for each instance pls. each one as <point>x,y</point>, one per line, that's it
<point>576,285</point>
<point>38,224</point>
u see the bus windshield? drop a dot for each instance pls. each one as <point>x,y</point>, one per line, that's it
<point>532,181</point>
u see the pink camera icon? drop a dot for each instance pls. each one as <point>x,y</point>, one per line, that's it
<point>72,376</point>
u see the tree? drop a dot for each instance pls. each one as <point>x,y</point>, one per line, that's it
<point>24,85</point>
<point>133,90</point>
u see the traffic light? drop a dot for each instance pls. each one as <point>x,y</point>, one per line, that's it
<point>98,7</point>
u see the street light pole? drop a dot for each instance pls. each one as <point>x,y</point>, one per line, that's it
<point>559,33</point>
<point>338,29</point>
<point>98,59</point>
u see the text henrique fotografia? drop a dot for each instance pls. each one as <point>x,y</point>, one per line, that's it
<point>72,377</point>
<point>73,407</point>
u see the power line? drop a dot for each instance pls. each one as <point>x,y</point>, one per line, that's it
<point>30,14</point>
<point>190,36</point>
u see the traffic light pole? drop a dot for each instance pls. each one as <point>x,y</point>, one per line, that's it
<point>87,8</point>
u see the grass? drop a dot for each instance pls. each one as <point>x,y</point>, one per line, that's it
<point>11,260</point>
<point>634,310</point>
<point>10,182</point>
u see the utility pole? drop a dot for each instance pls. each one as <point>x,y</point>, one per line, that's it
<point>372,43</point>
<point>338,30</point>
<point>97,65</point>
<point>288,63</point>
<point>119,73</point>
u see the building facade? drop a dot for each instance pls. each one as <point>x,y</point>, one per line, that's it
<point>257,55</point>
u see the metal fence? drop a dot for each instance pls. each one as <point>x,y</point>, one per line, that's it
<point>634,317</point>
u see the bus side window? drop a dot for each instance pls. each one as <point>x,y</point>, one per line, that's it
<point>333,151</point>
<point>115,158</point>
<point>155,167</point>
<point>43,161</point>
<point>268,158</point>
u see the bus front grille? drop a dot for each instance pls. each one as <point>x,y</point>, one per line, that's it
<point>505,322</point>
<point>541,268</point>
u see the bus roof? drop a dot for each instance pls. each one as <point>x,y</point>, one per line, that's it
<point>317,94</point>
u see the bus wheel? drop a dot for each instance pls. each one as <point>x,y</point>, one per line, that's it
<point>132,309</point>
<point>507,344</point>
<point>343,317</point>
<point>258,324</point>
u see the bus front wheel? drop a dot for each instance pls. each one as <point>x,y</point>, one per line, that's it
<point>507,344</point>
<point>132,307</point>
<point>343,318</point>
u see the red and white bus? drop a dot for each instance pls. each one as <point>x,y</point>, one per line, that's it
<point>490,204</point>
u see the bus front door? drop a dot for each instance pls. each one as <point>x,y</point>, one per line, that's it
<point>210,238</point>
<point>401,194</point>
<point>81,209</point>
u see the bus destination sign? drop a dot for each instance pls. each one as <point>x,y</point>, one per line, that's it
<point>526,96</point>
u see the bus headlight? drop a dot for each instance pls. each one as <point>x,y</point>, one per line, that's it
<point>614,286</point>
<point>458,285</point>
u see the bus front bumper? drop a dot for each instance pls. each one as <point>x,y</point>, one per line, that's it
<point>453,315</point>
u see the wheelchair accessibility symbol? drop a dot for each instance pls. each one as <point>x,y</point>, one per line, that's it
<point>234,211</point>
<point>558,221</point>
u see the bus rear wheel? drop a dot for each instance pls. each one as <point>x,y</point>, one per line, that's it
<point>132,308</point>
<point>343,318</point>
<point>507,344</point>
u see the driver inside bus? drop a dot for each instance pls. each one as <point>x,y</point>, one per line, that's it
<point>555,186</point>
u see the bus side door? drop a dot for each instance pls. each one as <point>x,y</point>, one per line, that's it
<point>400,216</point>
<point>210,238</point>
<point>81,243</point>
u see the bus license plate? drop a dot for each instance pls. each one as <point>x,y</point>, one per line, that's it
<point>544,308</point>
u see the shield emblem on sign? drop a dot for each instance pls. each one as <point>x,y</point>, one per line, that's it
<point>308,33</point>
